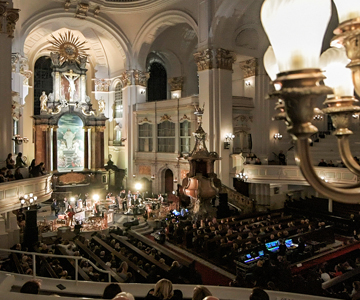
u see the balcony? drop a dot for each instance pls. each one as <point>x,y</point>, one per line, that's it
<point>11,191</point>
<point>292,174</point>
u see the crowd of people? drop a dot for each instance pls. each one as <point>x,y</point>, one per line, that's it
<point>163,290</point>
<point>12,170</point>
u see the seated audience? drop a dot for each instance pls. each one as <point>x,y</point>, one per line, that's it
<point>200,292</point>
<point>38,170</point>
<point>30,287</point>
<point>111,290</point>
<point>163,291</point>
<point>322,163</point>
<point>259,294</point>
<point>18,174</point>
<point>10,163</point>
<point>9,176</point>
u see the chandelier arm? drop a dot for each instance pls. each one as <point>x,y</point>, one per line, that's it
<point>346,156</point>
<point>350,196</point>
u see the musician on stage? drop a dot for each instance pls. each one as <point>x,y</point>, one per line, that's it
<point>70,215</point>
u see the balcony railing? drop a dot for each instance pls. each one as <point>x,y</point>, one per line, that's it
<point>11,191</point>
<point>292,174</point>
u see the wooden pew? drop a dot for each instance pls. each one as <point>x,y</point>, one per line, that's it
<point>98,260</point>
<point>142,254</point>
<point>18,266</point>
<point>72,262</point>
<point>183,261</point>
<point>121,257</point>
<point>48,268</point>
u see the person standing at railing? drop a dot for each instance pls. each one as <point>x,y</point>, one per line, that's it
<point>20,163</point>
<point>282,158</point>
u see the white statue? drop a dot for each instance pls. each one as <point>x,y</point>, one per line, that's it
<point>71,77</point>
<point>69,137</point>
<point>43,101</point>
<point>101,103</point>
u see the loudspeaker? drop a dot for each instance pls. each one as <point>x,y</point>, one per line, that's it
<point>31,234</point>
<point>223,199</point>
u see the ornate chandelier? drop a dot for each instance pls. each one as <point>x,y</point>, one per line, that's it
<point>294,63</point>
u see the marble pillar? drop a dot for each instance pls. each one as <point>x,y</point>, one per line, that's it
<point>40,143</point>
<point>55,149</point>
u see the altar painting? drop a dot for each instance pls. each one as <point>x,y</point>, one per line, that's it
<point>70,143</point>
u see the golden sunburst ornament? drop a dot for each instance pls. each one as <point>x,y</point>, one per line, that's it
<point>68,46</point>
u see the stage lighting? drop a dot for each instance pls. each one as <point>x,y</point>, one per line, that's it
<point>138,186</point>
<point>72,199</point>
<point>96,197</point>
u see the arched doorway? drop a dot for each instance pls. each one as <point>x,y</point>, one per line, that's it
<point>70,143</point>
<point>169,179</point>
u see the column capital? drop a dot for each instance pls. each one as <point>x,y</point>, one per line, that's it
<point>125,78</point>
<point>203,59</point>
<point>141,77</point>
<point>12,16</point>
<point>176,83</point>
<point>102,84</point>
<point>100,128</point>
<point>249,67</point>
<point>224,59</point>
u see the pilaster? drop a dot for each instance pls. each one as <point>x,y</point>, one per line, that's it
<point>8,19</point>
<point>215,91</point>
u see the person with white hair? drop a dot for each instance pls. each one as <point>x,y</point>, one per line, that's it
<point>124,296</point>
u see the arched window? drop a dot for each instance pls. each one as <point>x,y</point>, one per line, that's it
<point>166,137</point>
<point>118,101</point>
<point>157,83</point>
<point>43,80</point>
<point>118,113</point>
<point>185,136</point>
<point>145,137</point>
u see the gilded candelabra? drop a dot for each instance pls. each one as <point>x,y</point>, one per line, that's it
<point>294,58</point>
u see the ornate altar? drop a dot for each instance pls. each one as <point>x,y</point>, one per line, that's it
<point>68,129</point>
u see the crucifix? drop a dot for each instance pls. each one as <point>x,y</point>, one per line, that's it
<point>71,77</point>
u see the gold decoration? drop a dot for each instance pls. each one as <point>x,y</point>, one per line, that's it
<point>249,67</point>
<point>165,117</point>
<point>145,120</point>
<point>203,59</point>
<point>69,47</point>
<point>82,10</point>
<point>72,178</point>
<point>185,117</point>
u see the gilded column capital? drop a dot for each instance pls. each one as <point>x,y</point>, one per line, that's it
<point>14,60</point>
<point>43,127</point>
<point>12,16</point>
<point>224,59</point>
<point>102,85</point>
<point>176,83</point>
<point>100,128</point>
<point>203,59</point>
<point>141,77</point>
<point>125,78</point>
<point>3,11</point>
<point>249,67</point>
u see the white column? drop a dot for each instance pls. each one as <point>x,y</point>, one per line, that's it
<point>262,115</point>
<point>6,120</point>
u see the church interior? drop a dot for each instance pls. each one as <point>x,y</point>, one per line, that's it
<point>199,148</point>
